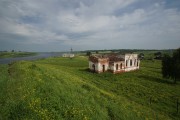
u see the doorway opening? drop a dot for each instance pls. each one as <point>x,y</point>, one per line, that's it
<point>93,66</point>
<point>103,68</point>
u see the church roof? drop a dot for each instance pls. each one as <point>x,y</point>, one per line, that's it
<point>109,57</point>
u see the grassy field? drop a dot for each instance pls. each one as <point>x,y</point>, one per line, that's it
<point>16,54</point>
<point>63,88</point>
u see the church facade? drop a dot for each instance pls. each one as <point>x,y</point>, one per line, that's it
<point>116,63</point>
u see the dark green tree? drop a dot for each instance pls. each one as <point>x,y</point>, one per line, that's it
<point>176,63</point>
<point>88,53</point>
<point>166,66</point>
<point>158,55</point>
<point>171,66</point>
<point>141,56</point>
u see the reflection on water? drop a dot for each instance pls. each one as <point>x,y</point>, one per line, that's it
<point>38,56</point>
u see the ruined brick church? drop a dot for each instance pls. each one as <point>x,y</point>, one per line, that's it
<point>116,63</point>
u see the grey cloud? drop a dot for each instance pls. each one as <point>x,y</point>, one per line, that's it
<point>52,25</point>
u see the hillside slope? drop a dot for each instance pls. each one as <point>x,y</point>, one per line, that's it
<point>63,88</point>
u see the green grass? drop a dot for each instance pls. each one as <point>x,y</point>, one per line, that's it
<point>16,54</point>
<point>63,88</point>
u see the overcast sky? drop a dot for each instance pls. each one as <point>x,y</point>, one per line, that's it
<point>58,25</point>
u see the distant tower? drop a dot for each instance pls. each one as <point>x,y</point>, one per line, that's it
<point>71,49</point>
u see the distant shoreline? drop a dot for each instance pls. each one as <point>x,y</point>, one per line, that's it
<point>16,54</point>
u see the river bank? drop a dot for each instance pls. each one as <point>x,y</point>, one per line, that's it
<point>35,56</point>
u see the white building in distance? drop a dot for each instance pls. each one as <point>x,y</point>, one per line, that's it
<point>69,55</point>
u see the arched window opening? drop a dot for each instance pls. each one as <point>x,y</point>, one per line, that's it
<point>137,64</point>
<point>130,62</point>
<point>121,66</point>
<point>116,66</point>
<point>126,63</point>
<point>134,62</point>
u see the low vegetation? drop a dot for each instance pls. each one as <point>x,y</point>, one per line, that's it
<point>16,54</point>
<point>63,88</point>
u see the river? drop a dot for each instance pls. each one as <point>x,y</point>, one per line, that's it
<point>34,57</point>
